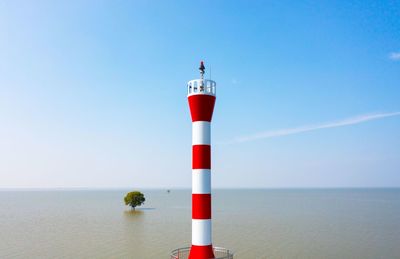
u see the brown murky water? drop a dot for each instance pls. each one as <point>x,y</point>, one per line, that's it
<point>348,223</point>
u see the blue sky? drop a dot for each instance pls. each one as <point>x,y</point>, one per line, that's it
<point>93,93</point>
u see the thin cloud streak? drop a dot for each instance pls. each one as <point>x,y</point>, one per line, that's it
<point>334,124</point>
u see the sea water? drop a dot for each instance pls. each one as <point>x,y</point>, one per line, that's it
<point>282,223</point>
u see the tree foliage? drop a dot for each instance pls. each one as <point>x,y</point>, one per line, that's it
<point>134,199</point>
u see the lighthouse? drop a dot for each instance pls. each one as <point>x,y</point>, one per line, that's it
<point>201,97</point>
<point>201,94</point>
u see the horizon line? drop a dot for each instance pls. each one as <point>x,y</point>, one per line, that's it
<point>189,188</point>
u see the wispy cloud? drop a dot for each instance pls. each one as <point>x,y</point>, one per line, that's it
<point>395,56</point>
<point>333,124</point>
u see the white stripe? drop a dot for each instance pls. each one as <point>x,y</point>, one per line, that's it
<point>201,181</point>
<point>201,232</point>
<point>201,133</point>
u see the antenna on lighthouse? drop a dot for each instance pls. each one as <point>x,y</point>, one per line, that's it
<point>202,68</point>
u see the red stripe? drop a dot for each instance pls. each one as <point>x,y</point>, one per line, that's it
<point>201,107</point>
<point>201,157</point>
<point>201,252</point>
<point>201,206</point>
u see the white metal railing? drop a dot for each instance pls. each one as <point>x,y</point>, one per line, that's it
<point>219,252</point>
<point>202,86</point>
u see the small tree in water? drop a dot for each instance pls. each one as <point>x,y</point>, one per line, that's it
<point>134,199</point>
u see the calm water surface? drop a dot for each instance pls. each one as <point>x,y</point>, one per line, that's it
<point>347,223</point>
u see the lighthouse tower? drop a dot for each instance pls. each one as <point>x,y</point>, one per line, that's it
<point>201,96</point>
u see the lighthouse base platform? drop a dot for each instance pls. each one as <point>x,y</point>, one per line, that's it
<point>219,253</point>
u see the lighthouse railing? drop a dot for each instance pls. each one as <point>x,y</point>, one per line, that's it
<point>202,86</point>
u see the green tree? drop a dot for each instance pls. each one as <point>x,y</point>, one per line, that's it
<point>134,199</point>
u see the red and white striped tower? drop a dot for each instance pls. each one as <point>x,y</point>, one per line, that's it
<point>201,96</point>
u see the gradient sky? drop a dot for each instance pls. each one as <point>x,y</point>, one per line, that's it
<point>93,93</point>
